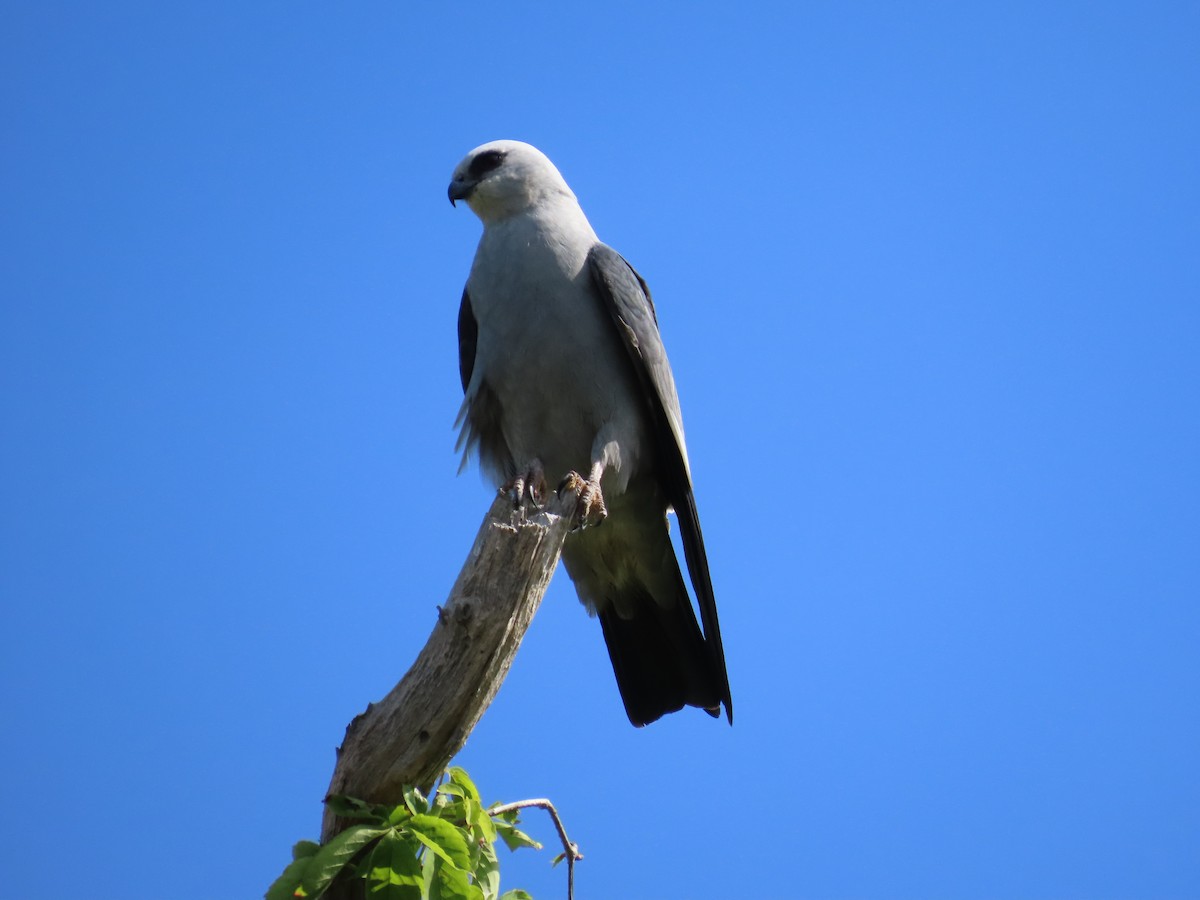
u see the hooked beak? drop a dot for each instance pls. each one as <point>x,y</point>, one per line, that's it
<point>460,189</point>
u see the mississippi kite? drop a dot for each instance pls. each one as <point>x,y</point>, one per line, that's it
<point>563,371</point>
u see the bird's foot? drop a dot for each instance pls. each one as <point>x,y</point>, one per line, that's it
<point>590,509</point>
<point>527,488</point>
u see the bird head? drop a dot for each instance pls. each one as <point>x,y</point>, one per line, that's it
<point>504,178</point>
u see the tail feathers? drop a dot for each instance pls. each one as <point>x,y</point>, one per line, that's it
<point>661,660</point>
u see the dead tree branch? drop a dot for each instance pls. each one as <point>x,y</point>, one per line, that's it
<point>410,735</point>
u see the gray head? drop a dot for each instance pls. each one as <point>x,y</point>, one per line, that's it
<point>503,178</point>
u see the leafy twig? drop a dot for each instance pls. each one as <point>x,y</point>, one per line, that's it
<point>570,849</point>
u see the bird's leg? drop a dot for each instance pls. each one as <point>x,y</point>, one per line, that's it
<point>591,500</point>
<point>591,509</point>
<point>528,486</point>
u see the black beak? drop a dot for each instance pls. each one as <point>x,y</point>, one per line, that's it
<point>459,190</point>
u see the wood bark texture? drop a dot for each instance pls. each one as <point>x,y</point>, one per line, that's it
<point>410,735</point>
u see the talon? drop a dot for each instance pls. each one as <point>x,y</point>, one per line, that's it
<point>537,489</point>
<point>572,482</point>
<point>590,509</point>
<point>592,503</point>
<point>527,488</point>
<point>516,491</point>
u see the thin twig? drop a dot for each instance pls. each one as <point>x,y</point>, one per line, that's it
<point>570,850</point>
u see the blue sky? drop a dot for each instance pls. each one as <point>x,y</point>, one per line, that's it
<point>930,282</point>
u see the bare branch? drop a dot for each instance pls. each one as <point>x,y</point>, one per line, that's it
<point>570,849</point>
<point>410,735</point>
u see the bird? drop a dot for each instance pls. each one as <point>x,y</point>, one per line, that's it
<point>563,370</point>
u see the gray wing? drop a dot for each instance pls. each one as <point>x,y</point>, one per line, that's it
<point>628,301</point>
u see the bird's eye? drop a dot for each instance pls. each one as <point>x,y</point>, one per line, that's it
<point>485,162</point>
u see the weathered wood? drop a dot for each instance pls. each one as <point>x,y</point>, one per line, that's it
<point>410,735</point>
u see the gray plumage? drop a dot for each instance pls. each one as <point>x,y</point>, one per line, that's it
<point>563,369</point>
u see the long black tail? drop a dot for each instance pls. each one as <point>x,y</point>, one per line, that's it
<point>660,659</point>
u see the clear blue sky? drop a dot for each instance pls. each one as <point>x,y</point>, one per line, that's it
<point>929,275</point>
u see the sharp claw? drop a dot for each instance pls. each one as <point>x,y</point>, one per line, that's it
<point>527,489</point>
<point>590,510</point>
<point>594,510</point>
<point>536,489</point>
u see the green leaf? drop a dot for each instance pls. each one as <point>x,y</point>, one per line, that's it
<point>284,887</point>
<point>304,849</point>
<point>415,801</point>
<point>449,883</point>
<point>516,894</point>
<point>393,870</point>
<point>333,857</point>
<point>451,811</point>
<point>398,815</point>
<point>479,821</point>
<point>487,871</point>
<point>459,776</point>
<point>515,838</point>
<point>444,839</point>
<point>353,808</point>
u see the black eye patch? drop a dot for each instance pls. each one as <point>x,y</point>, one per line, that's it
<point>485,162</point>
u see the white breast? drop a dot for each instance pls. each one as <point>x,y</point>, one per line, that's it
<point>548,350</point>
